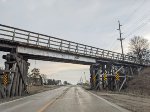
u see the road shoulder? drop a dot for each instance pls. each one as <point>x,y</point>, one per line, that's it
<point>32,90</point>
<point>130,102</point>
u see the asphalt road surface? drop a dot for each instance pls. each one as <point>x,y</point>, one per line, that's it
<point>64,99</point>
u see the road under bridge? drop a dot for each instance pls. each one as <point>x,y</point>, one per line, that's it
<point>24,45</point>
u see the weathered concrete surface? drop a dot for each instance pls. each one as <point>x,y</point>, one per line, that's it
<point>64,99</point>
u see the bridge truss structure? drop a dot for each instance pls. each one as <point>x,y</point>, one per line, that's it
<point>24,45</point>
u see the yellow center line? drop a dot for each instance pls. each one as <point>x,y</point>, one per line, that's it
<point>49,103</point>
<point>46,105</point>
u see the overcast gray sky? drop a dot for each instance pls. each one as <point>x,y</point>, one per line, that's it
<point>92,22</point>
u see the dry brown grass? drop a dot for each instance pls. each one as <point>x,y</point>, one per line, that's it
<point>141,83</point>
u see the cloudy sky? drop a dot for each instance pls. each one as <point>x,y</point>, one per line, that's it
<point>91,22</point>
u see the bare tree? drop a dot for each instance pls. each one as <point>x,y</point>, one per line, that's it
<point>36,77</point>
<point>35,72</point>
<point>139,47</point>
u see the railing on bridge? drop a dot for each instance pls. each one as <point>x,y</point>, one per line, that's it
<point>37,39</point>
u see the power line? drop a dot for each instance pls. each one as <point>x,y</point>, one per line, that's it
<point>144,17</point>
<point>136,29</point>
<point>112,43</point>
<point>139,19</point>
<point>132,32</point>
<point>115,47</point>
<point>134,11</point>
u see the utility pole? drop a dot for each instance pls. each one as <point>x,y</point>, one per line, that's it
<point>121,39</point>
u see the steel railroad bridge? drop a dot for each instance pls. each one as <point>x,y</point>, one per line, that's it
<point>23,45</point>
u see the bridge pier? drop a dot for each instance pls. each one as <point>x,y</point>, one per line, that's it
<point>14,76</point>
<point>109,76</point>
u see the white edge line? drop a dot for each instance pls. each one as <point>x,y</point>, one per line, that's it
<point>112,104</point>
<point>25,97</point>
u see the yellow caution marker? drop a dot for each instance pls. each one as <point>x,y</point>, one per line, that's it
<point>94,78</point>
<point>117,76</point>
<point>5,79</point>
<point>105,76</point>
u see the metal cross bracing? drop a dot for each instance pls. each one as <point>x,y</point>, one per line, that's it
<point>40,40</point>
<point>111,77</point>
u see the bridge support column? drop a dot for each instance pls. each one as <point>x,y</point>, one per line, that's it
<point>92,72</point>
<point>16,70</point>
<point>95,78</point>
<point>110,76</point>
<point>95,71</point>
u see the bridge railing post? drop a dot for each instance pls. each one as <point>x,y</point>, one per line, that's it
<point>113,55</point>
<point>85,50</point>
<point>60,46</point>
<point>69,47</point>
<point>103,53</point>
<point>28,38</point>
<point>13,35</point>
<point>107,54</point>
<point>96,54</point>
<point>122,57</point>
<point>91,51</point>
<point>48,44</point>
<point>117,56</point>
<point>37,42</point>
<point>76,50</point>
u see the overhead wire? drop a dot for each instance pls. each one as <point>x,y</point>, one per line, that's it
<point>134,11</point>
<point>137,8</point>
<point>141,19</point>
<point>136,29</point>
<point>110,45</point>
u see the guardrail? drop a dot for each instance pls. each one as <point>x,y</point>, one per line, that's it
<point>37,39</point>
